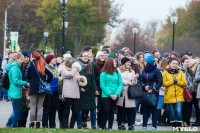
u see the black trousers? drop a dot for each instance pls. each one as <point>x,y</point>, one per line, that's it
<point>49,112</point>
<point>60,110</point>
<point>128,111</point>
<point>108,112</point>
<point>73,104</point>
<point>196,106</point>
<point>186,112</point>
<point>99,110</point>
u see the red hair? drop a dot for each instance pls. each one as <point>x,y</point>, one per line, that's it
<point>109,66</point>
<point>39,62</point>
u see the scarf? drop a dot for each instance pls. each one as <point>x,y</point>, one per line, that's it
<point>83,65</point>
<point>151,68</point>
<point>172,71</point>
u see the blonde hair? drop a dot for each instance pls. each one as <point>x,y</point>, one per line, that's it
<point>69,61</point>
<point>15,57</point>
<point>123,68</point>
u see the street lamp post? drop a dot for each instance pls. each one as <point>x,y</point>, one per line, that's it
<point>46,34</point>
<point>64,2</point>
<point>5,29</point>
<point>174,20</point>
<point>135,31</point>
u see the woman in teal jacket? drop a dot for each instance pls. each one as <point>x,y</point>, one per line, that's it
<point>15,89</point>
<point>111,85</point>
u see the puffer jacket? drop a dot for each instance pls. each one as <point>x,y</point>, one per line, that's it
<point>152,79</point>
<point>111,84</point>
<point>174,91</point>
<point>15,79</point>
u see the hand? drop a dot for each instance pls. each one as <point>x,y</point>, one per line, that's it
<point>111,96</point>
<point>130,83</point>
<point>82,90</point>
<point>114,97</point>
<point>28,85</point>
<point>136,75</point>
<point>81,79</point>
<point>174,78</point>
<point>149,91</point>
<point>147,88</point>
<point>96,93</point>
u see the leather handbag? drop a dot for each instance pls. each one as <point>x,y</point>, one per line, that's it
<point>187,94</point>
<point>150,99</point>
<point>135,92</point>
<point>44,87</point>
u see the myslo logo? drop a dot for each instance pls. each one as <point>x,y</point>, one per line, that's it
<point>184,129</point>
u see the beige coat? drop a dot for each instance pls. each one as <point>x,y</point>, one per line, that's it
<point>126,76</point>
<point>71,80</point>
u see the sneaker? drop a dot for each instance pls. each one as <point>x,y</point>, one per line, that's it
<point>139,123</point>
<point>123,127</point>
<point>192,120</point>
<point>131,128</point>
<point>144,128</point>
<point>153,129</point>
<point>149,121</point>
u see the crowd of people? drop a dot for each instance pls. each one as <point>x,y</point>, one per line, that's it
<point>96,88</point>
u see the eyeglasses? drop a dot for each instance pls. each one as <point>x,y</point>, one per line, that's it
<point>86,56</point>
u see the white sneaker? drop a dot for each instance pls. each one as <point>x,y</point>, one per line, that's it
<point>192,120</point>
<point>139,123</point>
<point>149,121</point>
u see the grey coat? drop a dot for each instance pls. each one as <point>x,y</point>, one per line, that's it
<point>197,80</point>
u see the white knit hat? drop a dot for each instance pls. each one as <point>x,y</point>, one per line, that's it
<point>98,54</point>
<point>67,55</point>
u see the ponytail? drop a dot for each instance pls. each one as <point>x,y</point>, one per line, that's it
<point>39,62</point>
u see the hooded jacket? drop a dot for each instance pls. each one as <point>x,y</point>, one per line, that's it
<point>173,91</point>
<point>15,79</point>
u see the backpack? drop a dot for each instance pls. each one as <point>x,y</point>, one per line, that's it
<point>4,81</point>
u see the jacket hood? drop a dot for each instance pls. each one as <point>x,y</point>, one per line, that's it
<point>13,64</point>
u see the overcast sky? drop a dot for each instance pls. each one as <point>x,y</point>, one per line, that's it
<point>146,10</point>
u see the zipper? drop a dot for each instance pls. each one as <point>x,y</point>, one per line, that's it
<point>113,83</point>
<point>175,91</point>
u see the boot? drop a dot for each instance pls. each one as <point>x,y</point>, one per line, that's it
<point>23,123</point>
<point>19,123</point>
<point>71,126</point>
<point>31,125</point>
<point>84,125</point>
<point>61,125</point>
<point>37,124</point>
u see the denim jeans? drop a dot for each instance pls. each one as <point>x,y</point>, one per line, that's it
<point>93,118</point>
<point>175,112</point>
<point>1,93</point>
<point>146,115</point>
<point>14,117</point>
<point>5,94</point>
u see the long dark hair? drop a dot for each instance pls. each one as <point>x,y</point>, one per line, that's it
<point>109,66</point>
<point>89,67</point>
<point>98,63</point>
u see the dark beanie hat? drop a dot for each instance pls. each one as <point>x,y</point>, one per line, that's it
<point>26,53</point>
<point>124,60</point>
<point>121,51</point>
<point>49,58</point>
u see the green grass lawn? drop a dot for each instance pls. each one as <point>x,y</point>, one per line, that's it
<point>42,130</point>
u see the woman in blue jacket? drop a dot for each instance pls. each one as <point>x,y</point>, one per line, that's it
<point>15,89</point>
<point>111,85</point>
<point>151,81</point>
